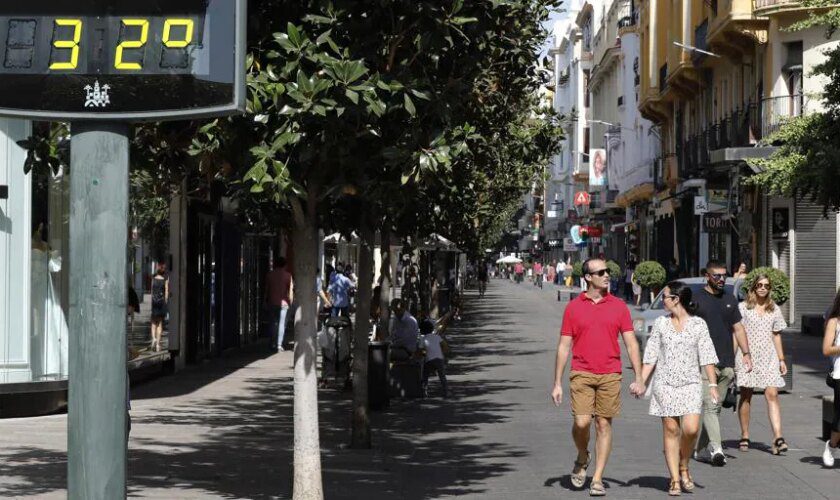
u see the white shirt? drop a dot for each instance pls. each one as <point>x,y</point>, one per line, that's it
<point>835,374</point>
<point>404,332</point>
<point>433,349</point>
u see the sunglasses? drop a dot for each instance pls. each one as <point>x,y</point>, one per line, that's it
<point>762,286</point>
<point>718,276</point>
<point>600,272</point>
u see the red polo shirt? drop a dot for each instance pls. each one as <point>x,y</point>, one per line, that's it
<point>594,328</point>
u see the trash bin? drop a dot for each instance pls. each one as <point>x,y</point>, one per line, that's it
<point>378,396</point>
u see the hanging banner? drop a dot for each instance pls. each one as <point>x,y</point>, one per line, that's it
<point>597,167</point>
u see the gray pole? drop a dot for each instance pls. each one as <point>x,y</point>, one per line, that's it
<point>97,371</point>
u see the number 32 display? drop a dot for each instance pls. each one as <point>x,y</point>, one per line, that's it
<point>97,57</point>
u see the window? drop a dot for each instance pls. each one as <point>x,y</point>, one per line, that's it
<point>586,88</point>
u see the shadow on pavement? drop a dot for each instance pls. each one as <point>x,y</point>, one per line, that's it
<point>240,445</point>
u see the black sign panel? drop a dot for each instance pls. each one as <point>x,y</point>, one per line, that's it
<point>780,223</point>
<point>715,223</point>
<point>122,59</point>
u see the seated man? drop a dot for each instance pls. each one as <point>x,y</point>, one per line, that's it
<point>404,332</point>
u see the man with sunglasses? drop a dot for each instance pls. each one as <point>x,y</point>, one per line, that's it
<point>720,312</point>
<point>591,325</point>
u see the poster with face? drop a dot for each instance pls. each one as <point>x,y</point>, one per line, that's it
<point>780,223</point>
<point>597,167</point>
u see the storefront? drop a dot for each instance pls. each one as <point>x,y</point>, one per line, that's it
<point>33,279</point>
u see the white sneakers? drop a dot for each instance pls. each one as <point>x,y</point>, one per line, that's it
<point>717,456</point>
<point>828,455</point>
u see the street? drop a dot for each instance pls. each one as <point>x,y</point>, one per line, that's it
<point>223,429</point>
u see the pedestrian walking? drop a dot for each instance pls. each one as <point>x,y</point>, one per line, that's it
<point>678,347</point>
<point>551,273</point>
<point>160,304</point>
<point>831,349</point>
<point>763,322</point>
<point>482,279</point>
<point>278,296</point>
<point>721,313</point>
<point>538,274</point>
<point>591,325</point>
<point>629,296</point>
<point>519,272</point>
<point>637,288</point>
<point>339,293</point>
<point>435,360</point>
<point>568,271</point>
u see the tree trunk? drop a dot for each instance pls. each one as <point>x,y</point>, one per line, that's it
<point>307,456</point>
<point>387,283</point>
<point>361,407</point>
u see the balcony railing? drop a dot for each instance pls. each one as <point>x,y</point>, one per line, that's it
<point>767,4</point>
<point>663,77</point>
<point>776,110</point>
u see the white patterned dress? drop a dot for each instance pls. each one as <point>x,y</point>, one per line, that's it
<point>678,356</point>
<point>760,329</point>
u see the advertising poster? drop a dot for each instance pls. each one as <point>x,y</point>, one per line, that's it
<point>597,167</point>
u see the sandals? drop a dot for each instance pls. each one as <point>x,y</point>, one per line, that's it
<point>674,490</point>
<point>744,444</point>
<point>686,481</point>
<point>579,477</point>
<point>596,489</point>
<point>779,446</point>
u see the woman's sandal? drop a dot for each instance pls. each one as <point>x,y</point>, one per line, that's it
<point>674,490</point>
<point>579,477</point>
<point>686,480</point>
<point>779,446</point>
<point>596,489</point>
<point>744,444</point>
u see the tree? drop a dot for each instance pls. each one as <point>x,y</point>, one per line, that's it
<point>804,165</point>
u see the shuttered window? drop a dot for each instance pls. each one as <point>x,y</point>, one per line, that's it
<point>816,240</point>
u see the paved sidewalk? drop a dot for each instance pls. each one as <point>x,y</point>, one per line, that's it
<point>224,429</point>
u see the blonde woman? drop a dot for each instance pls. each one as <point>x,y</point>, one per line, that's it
<point>763,322</point>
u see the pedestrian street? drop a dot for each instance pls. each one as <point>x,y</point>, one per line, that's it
<point>223,429</point>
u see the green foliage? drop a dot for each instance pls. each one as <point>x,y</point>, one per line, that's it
<point>615,269</point>
<point>650,274</point>
<point>779,281</point>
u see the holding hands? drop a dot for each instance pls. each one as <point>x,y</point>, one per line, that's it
<point>638,388</point>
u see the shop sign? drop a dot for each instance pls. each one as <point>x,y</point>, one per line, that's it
<point>582,198</point>
<point>595,231</point>
<point>701,206</point>
<point>554,243</point>
<point>716,223</point>
<point>569,245</point>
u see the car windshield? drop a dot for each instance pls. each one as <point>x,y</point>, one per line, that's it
<point>695,288</point>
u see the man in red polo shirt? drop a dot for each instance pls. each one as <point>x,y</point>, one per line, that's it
<point>591,325</point>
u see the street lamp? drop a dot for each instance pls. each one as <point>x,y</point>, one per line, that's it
<point>692,48</point>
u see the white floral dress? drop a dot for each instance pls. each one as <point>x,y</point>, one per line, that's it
<point>678,356</point>
<point>760,329</point>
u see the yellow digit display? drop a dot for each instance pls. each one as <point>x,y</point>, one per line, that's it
<point>72,45</point>
<point>188,25</point>
<point>132,44</point>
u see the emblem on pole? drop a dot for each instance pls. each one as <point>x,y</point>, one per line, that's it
<point>97,96</point>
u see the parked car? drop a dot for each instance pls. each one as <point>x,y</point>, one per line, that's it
<point>644,318</point>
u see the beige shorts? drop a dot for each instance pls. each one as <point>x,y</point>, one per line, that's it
<point>595,394</point>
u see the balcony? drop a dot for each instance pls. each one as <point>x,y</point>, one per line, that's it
<point>770,7</point>
<point>774,111</point>
<point>734,29</point>
<point>663,77</point>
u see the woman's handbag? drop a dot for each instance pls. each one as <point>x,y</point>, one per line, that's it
<point>730,399</point>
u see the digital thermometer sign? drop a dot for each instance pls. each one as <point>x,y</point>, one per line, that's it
<point>122,60</point>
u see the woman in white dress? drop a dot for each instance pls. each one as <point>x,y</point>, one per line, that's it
<point>831,349</point>
<point>763,321</point>
<point>679,345</point>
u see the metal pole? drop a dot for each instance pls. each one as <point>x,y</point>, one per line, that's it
<point>98,235</point>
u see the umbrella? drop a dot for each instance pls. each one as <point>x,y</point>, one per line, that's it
<point>510,259</point>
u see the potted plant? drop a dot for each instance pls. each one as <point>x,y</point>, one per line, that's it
<point>650,275</point>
